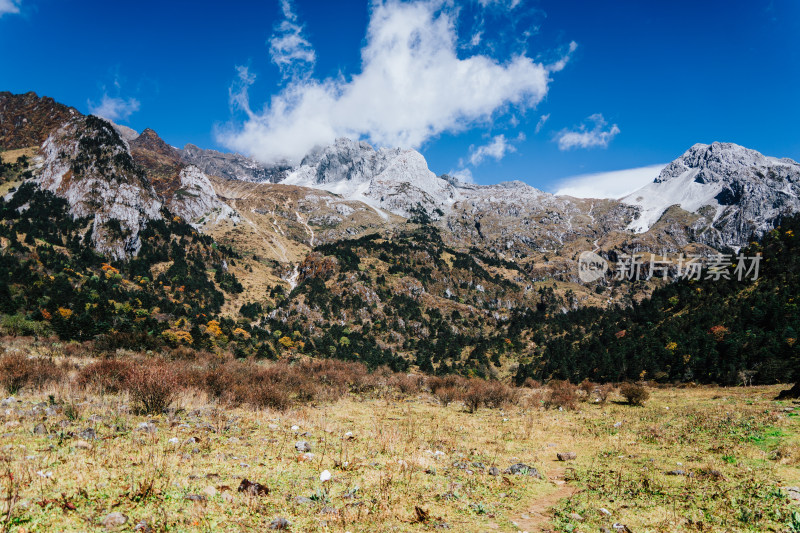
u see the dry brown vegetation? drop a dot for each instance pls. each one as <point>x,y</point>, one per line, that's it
<point>166,439</point>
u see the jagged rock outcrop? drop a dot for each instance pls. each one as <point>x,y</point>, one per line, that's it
<point>27,120</point>
<point>196,201</point>
<point>185,189</point>
<point>87,163</point>
<point>734,191</point>
<point>161,162</point>
<point>232,166</point>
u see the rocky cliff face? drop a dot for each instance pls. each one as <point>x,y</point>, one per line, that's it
<point>87,163</point>
<point>734,192</point>
<point>232,166</point>
<point>185,189</point>
<point>27,120</point>
<point>196,200</point>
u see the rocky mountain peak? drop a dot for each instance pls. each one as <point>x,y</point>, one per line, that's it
<point>27,119</point>
<point>735,193</point>
<point>87,163</point>
<point>717,162</point>
<point>149,140</point>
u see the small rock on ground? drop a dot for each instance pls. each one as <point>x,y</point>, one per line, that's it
<point>567,456</point>
<point>793,492</point>
<point>114,520</point>
<point>520,468</point>
<point>279,523</point>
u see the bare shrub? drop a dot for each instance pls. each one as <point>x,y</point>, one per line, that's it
<point>152,385</point>
<point>105,375</point>
<point>561,394</point>
<point>602,392</point>
<point>450,380</point>
<point>449,394</point>
<point>407,383</point>
<point>531,383</point>
<point>491,394</point>
<point>266,394</point>
<point>634,394</point>
<point>76,349</point>
<point>586,388</point>
<point>473,395</point>
<point>447,389</point>
<point>497,394</point>
<point>18,371</point>
<point>182,353</point>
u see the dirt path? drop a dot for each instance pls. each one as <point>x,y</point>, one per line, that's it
<point>538,515</point>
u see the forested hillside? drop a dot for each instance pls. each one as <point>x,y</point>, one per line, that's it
<point>726,331</point>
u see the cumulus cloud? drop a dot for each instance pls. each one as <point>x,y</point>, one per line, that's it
<point>583,137</point>
<point>288,48</point>
<point>9,7</point>
<point>114,108</point>
<point>497,148</point>
<point>540,124</point>
<point>614,184</point>
<point>412,87</point>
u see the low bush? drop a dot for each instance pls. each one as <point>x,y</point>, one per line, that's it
<point>634,394</point>
<point>152,385</point>
<point>18,371</point>
<point>449,394</point>
<point>602,392</point>
<point>492,394</point>
<point>105,376</point>
<point>531,383</point>
<point>561,394</point>
<point>407,383</point>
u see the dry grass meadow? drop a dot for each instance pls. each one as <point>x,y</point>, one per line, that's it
<point>75,456</point>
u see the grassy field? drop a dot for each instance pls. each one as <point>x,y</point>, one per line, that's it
<point>401,462</point>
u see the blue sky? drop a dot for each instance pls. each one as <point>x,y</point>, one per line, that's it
<point>621,85</point>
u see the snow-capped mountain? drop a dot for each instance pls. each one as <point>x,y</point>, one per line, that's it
<point>716,195</point>
<point>389,178</point>
<point>734,191</point>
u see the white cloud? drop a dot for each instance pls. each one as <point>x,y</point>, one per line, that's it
<point>497,148</point>
<point>114,108</point>
<point>462,174</point>
<point>508,4</point>
<point>540,124</point>
<point>587,138</point>
<point>9,7</point>
<point>614,184</point>
<point>289,49</point>
<point>412,86</point>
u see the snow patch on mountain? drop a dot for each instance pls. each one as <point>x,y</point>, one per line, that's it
<point>737,191</point>
<point>392,179</point>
